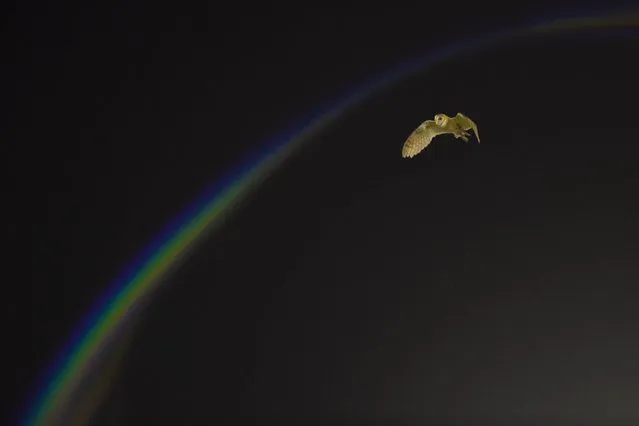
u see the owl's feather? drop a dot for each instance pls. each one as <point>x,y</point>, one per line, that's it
<point>421,138</point>
<point>466,124</point>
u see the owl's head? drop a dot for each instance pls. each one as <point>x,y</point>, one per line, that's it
<point>441,119</point>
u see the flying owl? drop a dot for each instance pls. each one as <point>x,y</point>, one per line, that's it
<point>424,134</point>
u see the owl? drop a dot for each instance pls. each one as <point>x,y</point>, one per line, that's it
<point>424,134</point>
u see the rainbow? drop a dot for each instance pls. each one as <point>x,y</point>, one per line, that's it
<point>182,235</point>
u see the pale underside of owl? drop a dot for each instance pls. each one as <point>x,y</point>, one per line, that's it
<point>421,137</point>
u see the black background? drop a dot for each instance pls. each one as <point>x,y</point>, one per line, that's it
<point>353,275</point>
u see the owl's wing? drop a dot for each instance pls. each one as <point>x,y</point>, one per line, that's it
<point>466,124</point>
<point>421,138</point>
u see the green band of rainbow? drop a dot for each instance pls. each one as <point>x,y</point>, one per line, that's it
<point>183,235</point>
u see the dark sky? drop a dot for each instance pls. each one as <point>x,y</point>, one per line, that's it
<point>475,283</point>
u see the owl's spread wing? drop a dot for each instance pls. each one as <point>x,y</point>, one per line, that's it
<point>421,138</point>
<point>466,124</point>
